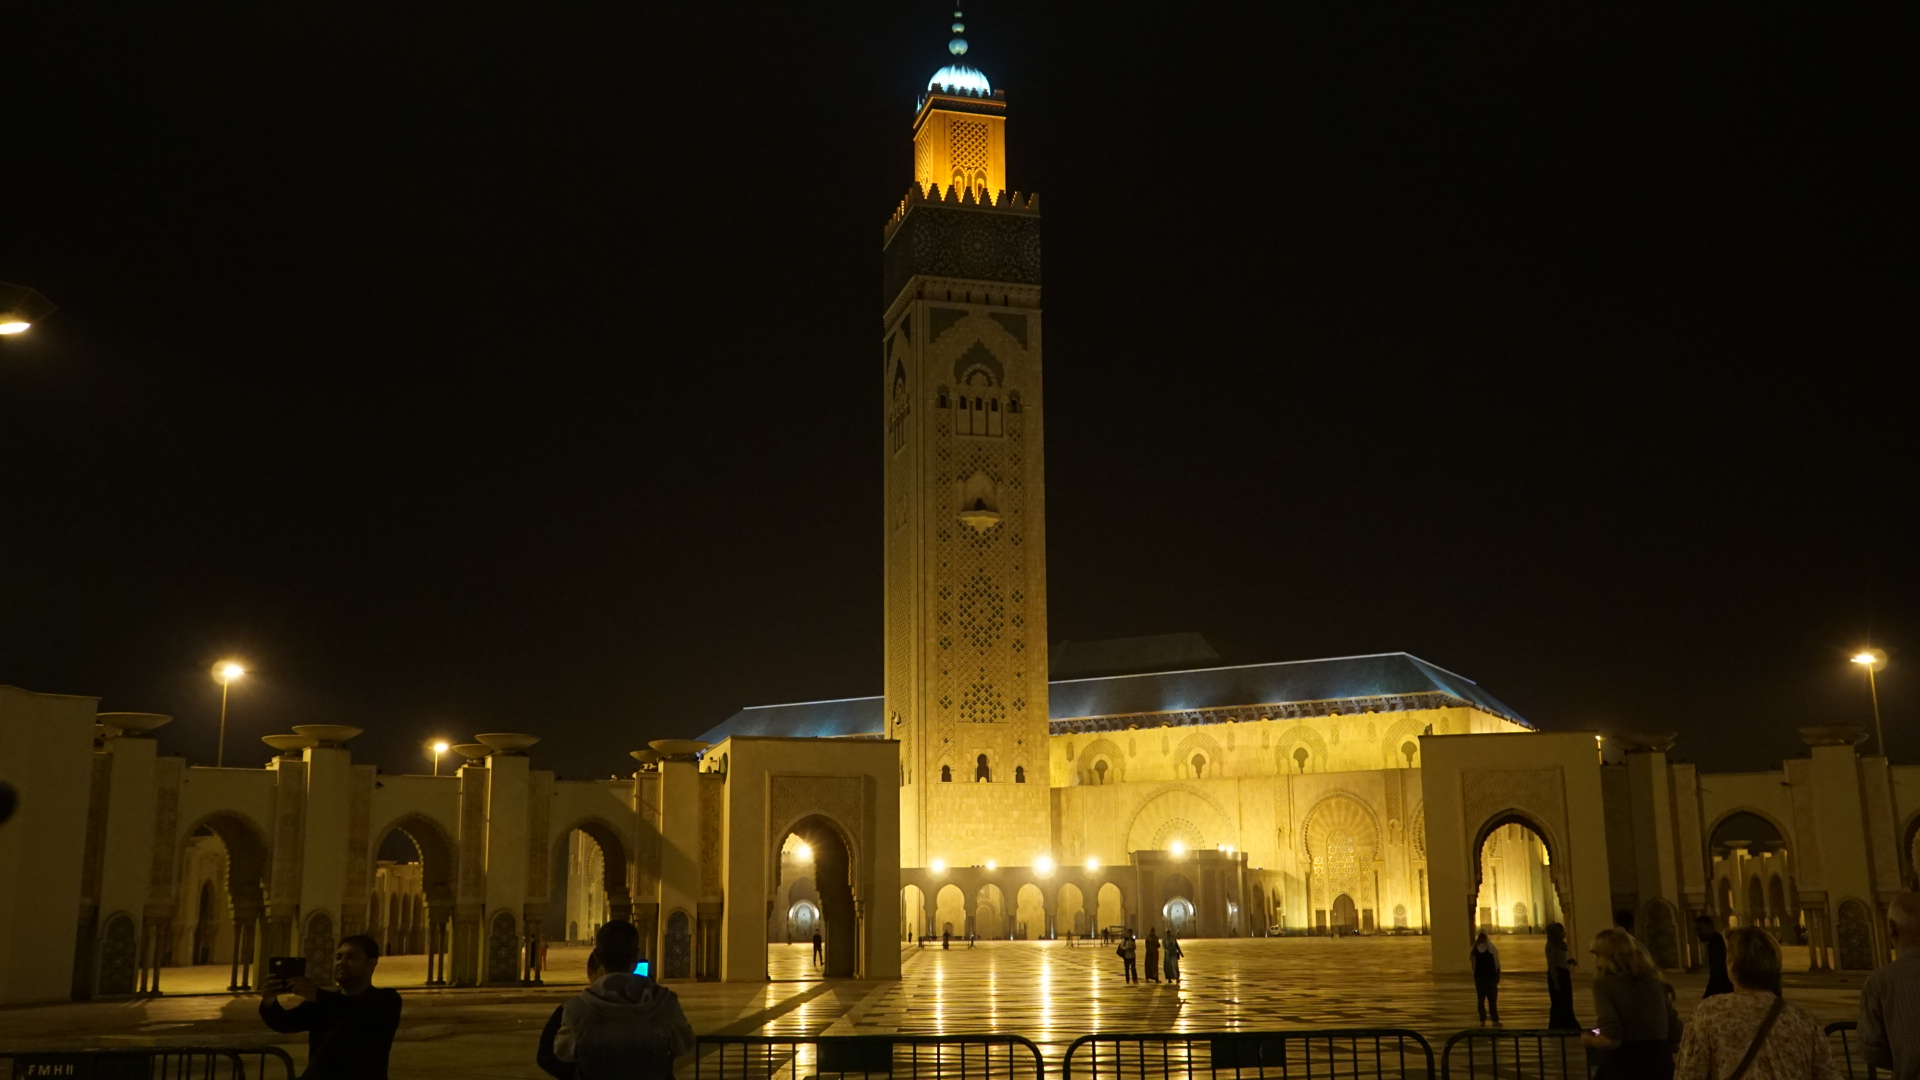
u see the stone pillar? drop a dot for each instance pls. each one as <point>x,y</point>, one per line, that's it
<point>324,832</point>
<point>46,753</point>
<point>679,840</point>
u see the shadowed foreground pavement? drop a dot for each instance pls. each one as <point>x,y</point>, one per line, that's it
<point>1043,990</point>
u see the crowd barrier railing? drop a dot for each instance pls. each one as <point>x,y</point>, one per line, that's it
<point>1516,1053</point>
<point>935,1057</point>
<point>133,1063</point>
<point>1383,1053</point>
<point>153,1063</point>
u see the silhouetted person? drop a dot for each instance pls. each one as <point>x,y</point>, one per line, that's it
<point>819,949</point>
<point>1170,949</point>
<point>1890,1002</point>
<point>1560,964</point>
<point>1486,979</point>
<point>1153,954</point>
<point>1127,969</point>
<point>349,1030</point>
<point>544,1057</point>
<point>1718,982</point>
<point>622,1025</point>
<point>946,939</point>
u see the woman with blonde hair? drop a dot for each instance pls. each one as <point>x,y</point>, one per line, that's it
<point>1752,1033</point>
<point>1631,1001</point>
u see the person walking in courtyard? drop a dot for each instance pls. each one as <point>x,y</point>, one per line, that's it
<point>1171,950</point>
<point>1153,955</point>
<point>819,949</point>
<point>946,938</point>
<point>1753,1033</point>
<point>349,1030</point>
<point>1631,1002</point>
<point>1717,981</point>
<point>1486,979</point>
<point>1127,969</point>
<point>1560,963</point>
<point>1890,1002</point>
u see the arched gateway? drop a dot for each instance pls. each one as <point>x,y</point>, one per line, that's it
<point>1473,785</point>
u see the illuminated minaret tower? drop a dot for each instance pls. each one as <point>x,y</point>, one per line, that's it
<point>966,564</point>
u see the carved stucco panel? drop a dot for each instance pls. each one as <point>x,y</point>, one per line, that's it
<point>359,811</point>
<point>1876,792</point>
<point>1806,848</point>
<point>646,858</point>
<point>838,798</point>
<point>1539,794</point>
<point>473,834</point>
<point>96,831</point>
<point>166,820</point>
<point>290,804</point>
<point>713,791</point>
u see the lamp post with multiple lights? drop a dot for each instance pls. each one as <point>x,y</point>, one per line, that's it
<point>226,671</point>
<point>1873,660</point>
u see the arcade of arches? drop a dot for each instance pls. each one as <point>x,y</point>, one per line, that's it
<point>1522,830</point>
<point>477,870</point>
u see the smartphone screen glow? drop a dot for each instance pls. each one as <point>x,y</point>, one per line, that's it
<point>643,967</point>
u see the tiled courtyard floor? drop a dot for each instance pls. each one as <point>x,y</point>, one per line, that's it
<point>1044,990</point>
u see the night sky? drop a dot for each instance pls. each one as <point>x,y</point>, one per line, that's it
<point>510,367</point>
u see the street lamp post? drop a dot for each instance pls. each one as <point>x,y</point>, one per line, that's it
<point>226,671</point>
<point>1873,660</point>
<point>438,747</point>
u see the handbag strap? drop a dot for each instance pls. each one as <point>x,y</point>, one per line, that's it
<point>1753,1049</point>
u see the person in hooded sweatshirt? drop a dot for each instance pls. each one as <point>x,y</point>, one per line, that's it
<point>622,1025</point>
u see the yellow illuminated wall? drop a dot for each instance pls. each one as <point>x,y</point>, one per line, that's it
<point>952,148</point>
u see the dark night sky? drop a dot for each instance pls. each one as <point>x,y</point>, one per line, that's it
<point>507,366</point>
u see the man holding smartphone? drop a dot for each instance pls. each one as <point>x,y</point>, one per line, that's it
<point>623,1026</point>
<point>349,1030</point>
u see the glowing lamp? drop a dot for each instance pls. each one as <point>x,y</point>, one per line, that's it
<point>440,748</point>
<point>1093,864</point>
<point>938,866</point>
<point>1178,847</point>
<point>1871,659</point>
<point>20,308</point>
<point>991,865</point>
<point>228,671</point>
<point>1043,866</point>
<point>802,851</point>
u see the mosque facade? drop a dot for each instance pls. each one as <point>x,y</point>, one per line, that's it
<point>999,785</point>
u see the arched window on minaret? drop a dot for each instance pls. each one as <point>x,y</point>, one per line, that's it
<point>993,416</point>
<point>982,774</point>
<point>1019,774</point>
<point>946,774</point>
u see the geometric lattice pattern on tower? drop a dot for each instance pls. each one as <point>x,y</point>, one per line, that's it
<point>967,146</point>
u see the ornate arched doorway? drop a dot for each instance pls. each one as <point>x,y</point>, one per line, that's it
<point>1343,917</point>
<point>1342,839</point>
<point>814,846</point>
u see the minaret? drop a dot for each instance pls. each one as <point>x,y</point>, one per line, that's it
<point>966,564</point>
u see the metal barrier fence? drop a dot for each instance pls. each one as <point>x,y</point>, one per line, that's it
<point>152,1063</point>
<point>144,1063</point>
<point>1846,1054</point>
<point>772,1057</point>
<point>1516,1054</point>
<point>1338,1052</point>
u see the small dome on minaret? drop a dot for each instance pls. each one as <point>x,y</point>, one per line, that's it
<point>959,78</point>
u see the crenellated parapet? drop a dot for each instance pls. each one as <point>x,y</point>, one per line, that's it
<point>1012,202</point>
